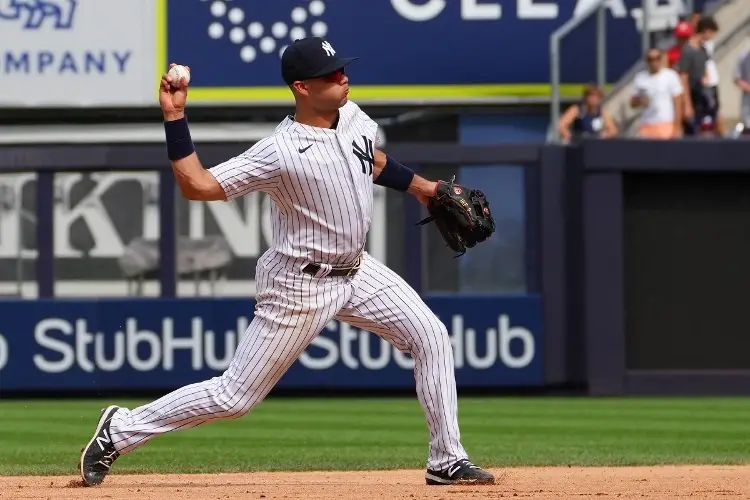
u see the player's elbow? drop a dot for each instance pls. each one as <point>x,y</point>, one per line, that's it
<point>190,192</point>
<point>201,189</point>
<point>190,187</point>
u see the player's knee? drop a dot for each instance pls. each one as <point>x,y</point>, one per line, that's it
<point>234,407</point>
<point>237,411</point>
<point>441,333</point>
<point>233,400</point>
<point>432,337</point>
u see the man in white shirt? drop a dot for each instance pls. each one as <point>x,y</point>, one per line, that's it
<point>659,93</point>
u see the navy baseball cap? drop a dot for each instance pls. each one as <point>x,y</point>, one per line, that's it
<point>310,58</point>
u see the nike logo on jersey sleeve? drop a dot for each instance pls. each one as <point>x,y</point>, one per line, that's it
<point>302,150</point>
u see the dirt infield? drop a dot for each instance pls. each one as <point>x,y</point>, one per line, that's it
<point>695,482</point>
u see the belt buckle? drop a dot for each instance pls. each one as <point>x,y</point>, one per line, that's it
<point>355,268</point>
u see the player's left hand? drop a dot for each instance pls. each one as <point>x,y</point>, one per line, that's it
<point>462,215</point>
<point>423,198</point>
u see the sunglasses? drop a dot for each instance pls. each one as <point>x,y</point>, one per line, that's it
<point>653,58</point>
<point>334,77</point>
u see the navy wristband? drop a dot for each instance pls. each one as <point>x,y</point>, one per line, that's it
<point>395,176</point>
<point>179,142</point>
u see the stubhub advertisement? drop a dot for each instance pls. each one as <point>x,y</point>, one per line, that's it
<point>164,344</point>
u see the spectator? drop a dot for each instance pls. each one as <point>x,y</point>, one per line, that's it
<point>712,88</point>
<point>682,33</point>
<point>742,80</point>
<point>659,93</point>
<point>695,16</point>
<point>701,103</point>
<point>587,118</point>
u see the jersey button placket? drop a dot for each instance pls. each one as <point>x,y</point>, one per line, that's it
<point>342,139</point>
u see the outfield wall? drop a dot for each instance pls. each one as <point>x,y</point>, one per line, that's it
<point>631,278</point>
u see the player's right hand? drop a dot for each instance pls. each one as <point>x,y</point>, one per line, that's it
<point>172,96</point>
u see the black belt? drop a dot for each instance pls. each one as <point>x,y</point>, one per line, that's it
<point>312,269</point>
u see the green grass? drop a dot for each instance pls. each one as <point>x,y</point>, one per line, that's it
<point>44,437</point>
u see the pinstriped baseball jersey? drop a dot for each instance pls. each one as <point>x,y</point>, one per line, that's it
<point>320,181</point>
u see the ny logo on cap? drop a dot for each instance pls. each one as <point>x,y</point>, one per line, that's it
<point>329,50</point>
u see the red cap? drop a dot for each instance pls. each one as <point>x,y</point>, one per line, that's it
<point>683,30</point>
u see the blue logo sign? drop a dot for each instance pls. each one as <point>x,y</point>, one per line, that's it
<point>36,14</point>
<point>164,344</point>
<point>407,48</point>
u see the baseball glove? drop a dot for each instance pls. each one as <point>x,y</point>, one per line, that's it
<point>461,215</point>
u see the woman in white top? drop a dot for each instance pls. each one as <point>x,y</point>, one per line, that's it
<point>659,93</point>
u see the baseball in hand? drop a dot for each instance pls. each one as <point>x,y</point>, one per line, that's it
<point>177,73</point>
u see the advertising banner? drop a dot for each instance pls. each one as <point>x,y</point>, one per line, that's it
<point>60,53</point>
<point>164,344</point>
<point>408,49</point>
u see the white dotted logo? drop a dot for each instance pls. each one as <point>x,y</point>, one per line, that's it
<point>252,36</point>
<point>3,352</point>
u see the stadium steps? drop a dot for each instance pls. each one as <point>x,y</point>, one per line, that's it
<point>727,57</point>
<point>733,18</point>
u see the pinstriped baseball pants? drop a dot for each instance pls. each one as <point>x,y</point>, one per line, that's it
<point>292,309</point>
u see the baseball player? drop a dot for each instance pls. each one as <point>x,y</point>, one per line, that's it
<point>318,168</point>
